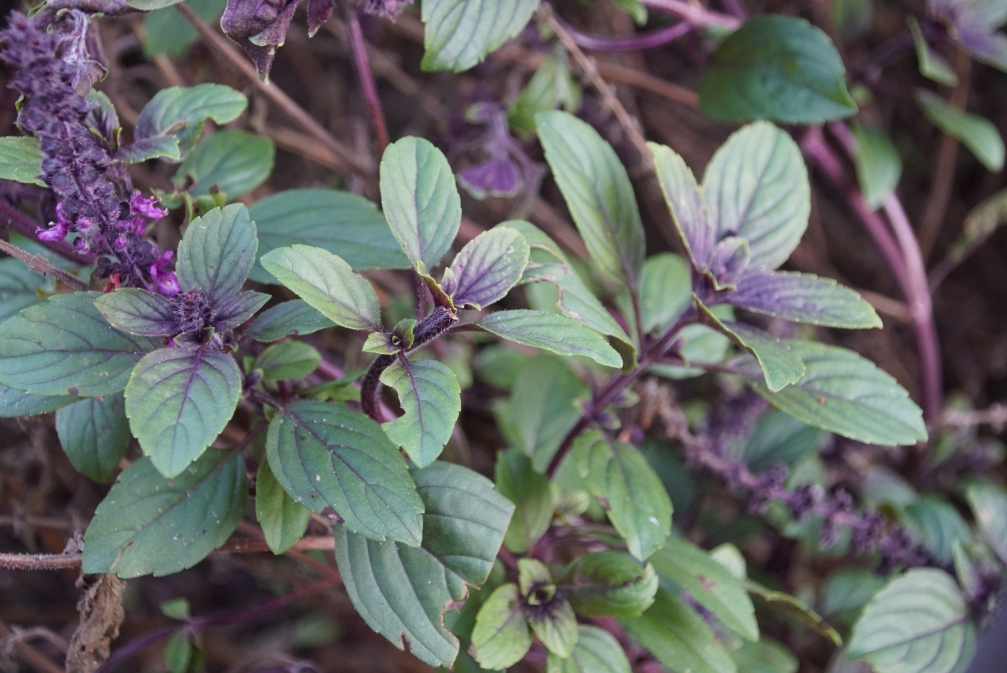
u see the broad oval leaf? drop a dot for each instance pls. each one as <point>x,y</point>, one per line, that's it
<point>550,332</point>
<point>975,132</point>
<point>501,636</point>
<point>181,112</point>
<point>918,623</point>
<point>429,394</point>
<point>596,651</point>
<point>804,297</point>
<point>403,592</point>
<point>238,308</point>
<point>937,525</point>
<point>178,401</point>
<point>530,492</point>
<point>14,403</point>
<point>610,584</point>
<point>879,166</point>
<point>544,405</point>
<point>665,291</point>
<point>765,656</point>
<point>342,223</point>
<point>139,312</point>
<point>327,283</point>
<point>779,438</point>
<point>487,268</point>
<point>327,456</point>
<point>217,252</point>
<point>235,162</point>
<point>711,585</point>
<point>636,501</point>
<point>166,31</point>
<point>18,287</point>
<point>290,318</point>
<point>776,67</point>
<point>696,229</point>
<point>847,394</point>
<point>94,433</point>
<point>756,187</point>
<point>283,521</point>
<point>598,193</point>
<point>420,199</point>
<point>65,347</point>
<point>989,505</point>
<point>287,361</point>
<point>460,33</point>
<point>679,637</point>
<point>149,524</point>
<point>556,627</point>
<point>21,160</point>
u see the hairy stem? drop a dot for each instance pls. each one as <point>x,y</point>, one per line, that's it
<point>40,264</point>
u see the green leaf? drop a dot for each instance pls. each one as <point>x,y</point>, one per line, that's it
<point>552,85</point>
<point>235,162</point>
<point>555,626</point>
<point>804,297</point>
<point>403,592</point>
<point>989,505</point>
<point>610,584</point>
<point>287,361</point>
<point>283,521</point>
<point>679,637</point>
<point>14,403</point>
<point>543,400</point>
<point>420,199</point>
<point>710,584</point>
<point>530,492</point>
<point>431,399</point>
<point>779,438</point>
<point>217,252</point>
<point>765,656</point>
<point>598,193</point>
<point>548,263</point>
<point>149,5</point>
<point>846,592</point>
<point>879,166</point>
<point>780,367</point>
<point>665,291</point>
<point>846,394</point>
<point>291,318</point>
<point>975,132</point>
<point>637,504</point>
<point>696,229</point>
<point>785,605</point>
<point>21,160</point>
<point>932,65</point>
<point>460,33</point>
<point>342,223</point>
<point>938,525</point>
<point>166,31</point>
<point>550,332</point>
<point>328,284</point>
<point>178,401</point>
<point>94,433</point>
<point>178,652</point>
<point>487,268</point>
<point>919,623</point>
<point>65,347</point>
<point>181,112</point>
<point>18,288</point>
<point>597,651</point>
<point>139,312</point>
<point>756,187</point>
<point>149,524</point>
<point>327,456</point>
<point>501,636</point>
<point>776,67</point>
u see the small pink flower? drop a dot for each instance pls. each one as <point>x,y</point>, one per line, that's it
<point>148,207</point>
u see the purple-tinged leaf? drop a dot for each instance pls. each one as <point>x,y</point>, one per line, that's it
<point>94,434</point>
<point>990,48</point>
<point>729,260</point>
<point>139,312</point>
<point>498,177</point>
<point>487,268</point>
<point>685,200</point>
<point>179,113</point>
<point>259,26</point>
<point>804,298</point>
<point>158,147</point>
<point>429,394</point>
<point>178,400</point>
<point>551,332</point>
<point>238,309</point>
<point>287,319</point>
<point>217,253</point>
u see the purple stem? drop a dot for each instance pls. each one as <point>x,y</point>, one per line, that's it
<point>367,78</point>
<point>694,14</point>
<point>29,228</point>
<point>650,40</point>
<point>902,253</point>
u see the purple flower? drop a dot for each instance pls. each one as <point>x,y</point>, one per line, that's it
<point>163,281</point>
<point>146,206</point>
<point>57,230</point>
<point>387,8</point>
